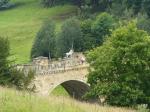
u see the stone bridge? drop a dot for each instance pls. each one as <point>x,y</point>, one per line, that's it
<point>71,73</point>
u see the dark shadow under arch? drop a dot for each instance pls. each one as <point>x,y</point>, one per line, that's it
<point>76,89</point>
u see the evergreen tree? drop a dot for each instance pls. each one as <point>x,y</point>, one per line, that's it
<point>3,3</point>
<point>146,7</point>
<point>44,44</point>
<point>4,63</point>
<point>102,27</point>
<point>9,76</point>
<point>70,36</point>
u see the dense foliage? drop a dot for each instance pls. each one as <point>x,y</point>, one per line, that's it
<point>74,34</point>
<point>95,31</point>
<point>89,41</point>
<point>5,4</point>
<point>120,68</point>
<point>116,7</point>
<point>9,76</point>
<point>69,37</point>
<point>50,3</point>
<point>4,63</point>
<point>143,23</point>
<point>44,44</point>
<point>101,27</point>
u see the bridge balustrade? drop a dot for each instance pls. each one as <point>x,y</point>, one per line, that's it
<point>52,67</point>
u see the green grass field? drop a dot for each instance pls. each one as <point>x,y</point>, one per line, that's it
<point>14,101</point>
<point>21,24</point>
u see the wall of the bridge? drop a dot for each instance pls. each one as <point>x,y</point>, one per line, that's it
<point>74,81</point>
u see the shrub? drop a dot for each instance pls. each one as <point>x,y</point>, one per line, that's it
<point>21,80</point>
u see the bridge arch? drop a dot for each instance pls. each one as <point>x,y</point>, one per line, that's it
<point>72,79</point>
<point>75,88</point>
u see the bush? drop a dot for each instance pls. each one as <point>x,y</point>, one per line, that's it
<point>21,80</point>
<point>120,68</point>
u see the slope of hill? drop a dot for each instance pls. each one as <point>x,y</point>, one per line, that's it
<point>14,101</point>
<point>21,24</point>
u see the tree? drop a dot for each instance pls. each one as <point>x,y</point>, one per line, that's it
<point>143,23</point>
<point>4,63</point>
<point>95,31</point>
<point>101,27</point>
<point>136,5</point>
<point>79,3</point>
<point>146,7</point>
<point>120,68</point>
<point>45,44</point>
<point>118,7</point>
<point>89,40</point>
<point>48,3</point>
<point>9,75</point>
<point>3,2</point>
<point>98,5</point>
<point>70,36</point>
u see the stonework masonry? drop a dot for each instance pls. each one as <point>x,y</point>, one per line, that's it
<point>71,73</point>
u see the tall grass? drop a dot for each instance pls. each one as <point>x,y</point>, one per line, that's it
<point>14,101</point>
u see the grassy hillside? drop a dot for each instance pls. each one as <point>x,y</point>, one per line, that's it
<point>21,24</point>
<point>14,101</point>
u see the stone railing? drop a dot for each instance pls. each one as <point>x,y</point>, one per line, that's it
<point>53,67</point>
<point>48,72</point>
